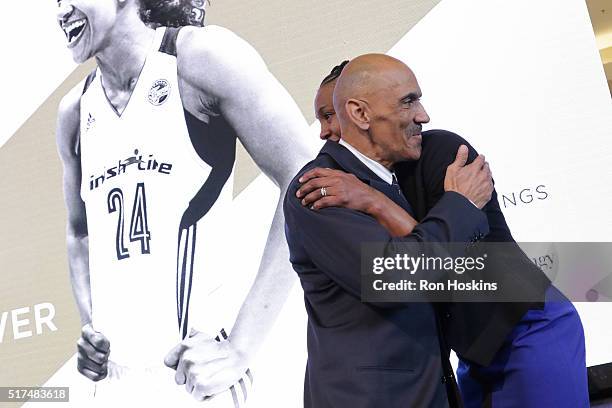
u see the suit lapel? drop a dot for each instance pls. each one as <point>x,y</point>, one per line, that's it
<point>349,162</point>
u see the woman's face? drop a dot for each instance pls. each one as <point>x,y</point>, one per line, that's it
<point>86,24</point>
<point>324,112</point>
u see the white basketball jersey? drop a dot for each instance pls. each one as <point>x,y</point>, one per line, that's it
<point>150,179</point>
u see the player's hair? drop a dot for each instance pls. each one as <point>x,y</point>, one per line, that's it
<point>172,13</point>
<point>335,73</point>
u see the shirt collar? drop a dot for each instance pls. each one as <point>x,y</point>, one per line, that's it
<point>378,169</point>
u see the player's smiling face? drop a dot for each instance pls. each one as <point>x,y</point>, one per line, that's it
<point>86,24</point>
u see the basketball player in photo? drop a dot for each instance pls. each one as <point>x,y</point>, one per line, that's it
<point>148,145</point>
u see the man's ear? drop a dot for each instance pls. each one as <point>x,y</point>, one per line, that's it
<point>357,112</point>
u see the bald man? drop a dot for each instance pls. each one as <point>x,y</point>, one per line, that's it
<point>363,355</point>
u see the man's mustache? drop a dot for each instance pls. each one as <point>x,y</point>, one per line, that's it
<point>416,130</point>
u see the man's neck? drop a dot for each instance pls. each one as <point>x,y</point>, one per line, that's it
<point>121,61</point>
<point>377,168</point>
<point>363,144</point>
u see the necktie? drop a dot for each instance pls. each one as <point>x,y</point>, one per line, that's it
<point>394,192</point>
<point>397,187</point>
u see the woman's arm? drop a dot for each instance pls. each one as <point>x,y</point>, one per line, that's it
<point>346,190</point>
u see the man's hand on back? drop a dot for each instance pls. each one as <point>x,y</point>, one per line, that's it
<point>474,181</point>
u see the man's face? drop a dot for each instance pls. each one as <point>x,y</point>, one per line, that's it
<point>324,111</point>
<point>86,24</point>
<point>397,117</point>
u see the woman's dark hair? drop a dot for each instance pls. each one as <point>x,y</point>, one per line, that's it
<point>335,73</point>
<point>172,13</point>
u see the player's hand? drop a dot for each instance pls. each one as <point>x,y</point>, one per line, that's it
<point>474,181</point>
<point>341,190</point>
<point>206,366</point>
<point>93,351</point>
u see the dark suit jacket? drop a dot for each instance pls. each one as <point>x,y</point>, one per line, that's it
<point>475,331</point>
<point>363,355</point>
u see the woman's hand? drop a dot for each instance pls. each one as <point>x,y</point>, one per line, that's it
<point>323,188</point>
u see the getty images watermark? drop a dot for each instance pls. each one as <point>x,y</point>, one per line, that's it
<point>485,272</point>
<point>412,264</point>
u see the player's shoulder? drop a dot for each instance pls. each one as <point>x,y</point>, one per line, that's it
<point>214,44</point>
<point>68,120</point>
<point>216,50</point>
<point>204,36</point>
<point>207,56</point>
<point>71,102</point>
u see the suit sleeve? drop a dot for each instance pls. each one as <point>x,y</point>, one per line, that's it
<point>330,239</point>
<point>438,153</point>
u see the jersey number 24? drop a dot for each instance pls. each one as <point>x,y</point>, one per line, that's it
<point>139,229</point>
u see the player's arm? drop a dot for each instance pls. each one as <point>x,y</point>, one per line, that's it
<point>93,347</point>
<point>269,124</point>
<point>76,231</point>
